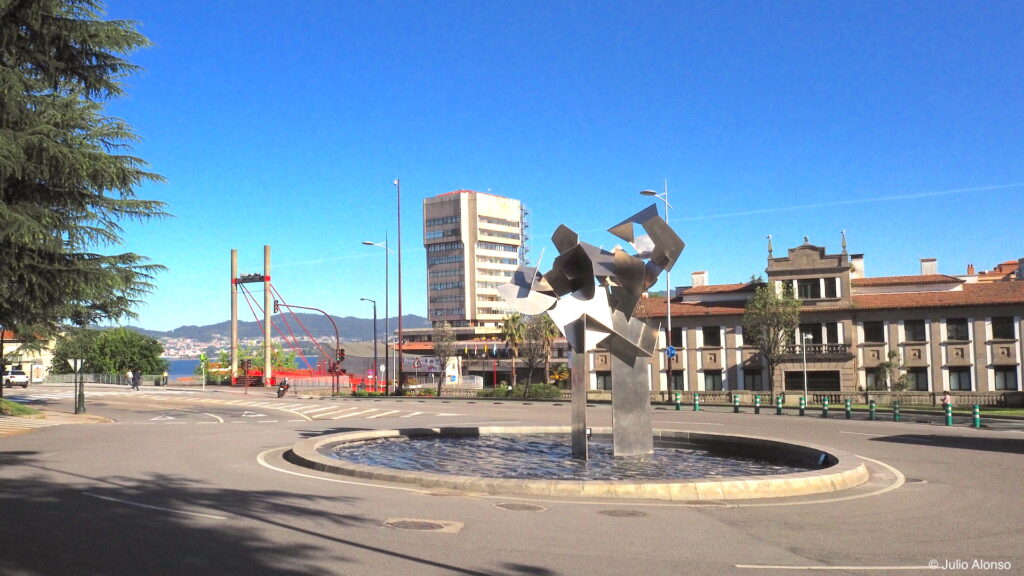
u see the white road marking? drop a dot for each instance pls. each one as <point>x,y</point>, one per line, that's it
<point>411,414</point>
<point>355,414</point>
<point>221,420</point>
<point>140,505</point>
<point>381,415</point>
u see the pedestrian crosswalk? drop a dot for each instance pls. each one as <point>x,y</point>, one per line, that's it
<point>335,411</point>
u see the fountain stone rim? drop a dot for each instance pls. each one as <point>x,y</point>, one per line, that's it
<point>846,469</point>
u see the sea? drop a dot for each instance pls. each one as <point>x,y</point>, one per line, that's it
<point>182,367</point>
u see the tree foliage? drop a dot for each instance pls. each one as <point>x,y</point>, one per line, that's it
<point>538,334</point>
<point>67,179</point>
<point>513,332</point>
<point>444,348</point>
<point>769,322</point>
<point>113,351</point>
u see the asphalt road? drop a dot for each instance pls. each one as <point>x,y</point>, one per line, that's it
<point>193,483</point>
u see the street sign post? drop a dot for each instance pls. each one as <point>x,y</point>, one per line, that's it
<point>76,365</point>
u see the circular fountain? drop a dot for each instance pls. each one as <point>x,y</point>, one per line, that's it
<point>685,467</point>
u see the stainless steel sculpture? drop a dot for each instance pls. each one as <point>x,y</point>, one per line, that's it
<point>591,295</point>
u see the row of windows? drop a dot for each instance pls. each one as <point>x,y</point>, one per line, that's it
<point>446,299</point>
<point>874,331</point>
<point>493,260</point>
<point>435,234</point>
<point>449,311</point>
<point>447,272</point>
<point>917,379</point>
<point>498,221</point>
<point>445,260</point>
<point>504,310</point>
<point>489,284</point>
<point>445,220</point>
<point>496,234</point>
<point>814,288</point>
<point>497,247</point>
<point>498,273</point>
<point>447,285</point>
<point>444,247</point>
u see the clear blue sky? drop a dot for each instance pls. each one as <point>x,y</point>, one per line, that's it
<point>284,123</point>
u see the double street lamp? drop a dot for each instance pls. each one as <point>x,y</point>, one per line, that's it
<point>668,292</point>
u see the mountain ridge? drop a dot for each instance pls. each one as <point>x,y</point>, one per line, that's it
<point>350,328</point>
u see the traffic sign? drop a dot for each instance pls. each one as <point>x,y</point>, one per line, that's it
<point>670,352</point>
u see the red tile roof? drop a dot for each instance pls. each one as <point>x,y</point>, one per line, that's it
<point>904,280</point>
<point>722,288</point>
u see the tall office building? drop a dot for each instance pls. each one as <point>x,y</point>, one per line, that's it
<point>474,242</point>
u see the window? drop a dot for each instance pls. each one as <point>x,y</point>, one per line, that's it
<point>830,287</point>
<point>960,379</point>
<point>914,331</point>
<point>752,380</point>
<point>917,379</point>
<point>871,379</point>
<point>712,336</point>
<point>808,289</point>
<point>1006,378</point>
<point>604,380</point>
<point>814,330</point>
<point>874,331</point>
<point>832,333</point>
<point>956,329</point>
<point>677,380</point>
<point>713,380</point>
<point>1002,329</point>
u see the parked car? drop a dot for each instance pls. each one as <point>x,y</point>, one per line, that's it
<point>15,377</point>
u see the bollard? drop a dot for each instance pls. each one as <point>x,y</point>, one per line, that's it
<point>849,409</point>
<point>976,416</point>
<point>757,404</point>
<point>824,407</point>
<point>679,402</point>
<point>696,402</point>
<point>896,411</point>
<point>872,415</point>
<point>778,405</point>
<point>735,403</point>
<point>949,414</point>
<point>803,405</point>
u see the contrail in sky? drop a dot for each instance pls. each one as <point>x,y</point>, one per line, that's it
<point>854,201</point>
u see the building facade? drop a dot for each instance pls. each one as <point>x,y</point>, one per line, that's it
<point>933,332</point>
<point>474,243</point>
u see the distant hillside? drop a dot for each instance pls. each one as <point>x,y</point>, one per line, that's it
<point>349,328</point>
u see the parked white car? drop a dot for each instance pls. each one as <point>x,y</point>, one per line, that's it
<point>15,377</point>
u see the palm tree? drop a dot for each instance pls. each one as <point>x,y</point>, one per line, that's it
<point>513,331</point>
<point>549,332</point>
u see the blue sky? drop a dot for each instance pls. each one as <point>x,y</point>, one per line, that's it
<point>285,123</point>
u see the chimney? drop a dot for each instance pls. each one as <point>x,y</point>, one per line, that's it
<point>929,266</point>
<point>699,278</point>
<point>970,269</point>
<point>857,260</point>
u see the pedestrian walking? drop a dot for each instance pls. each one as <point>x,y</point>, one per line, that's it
<point>947,400</point>
<point>131,380</point>
<point>136,379</point>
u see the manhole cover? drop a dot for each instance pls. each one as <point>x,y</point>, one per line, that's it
<point>414,525</point>
<point>623,513</point>
<point>520,507</point>
<point>424,525</point>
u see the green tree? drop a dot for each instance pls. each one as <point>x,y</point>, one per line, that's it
<point>513,332</point>
<point>113,351</point>
<point>444,348</point>
<point>536,346</point>
<point>888,374</point>
<point>769,322</point>
<point>67,180</point>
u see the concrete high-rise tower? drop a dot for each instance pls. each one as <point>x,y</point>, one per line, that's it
<point>474,243</point>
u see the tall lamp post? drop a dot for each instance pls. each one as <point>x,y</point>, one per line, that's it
<point>398,382</point>
<point>374,302</point>
<point>387,290</point>
<point>668,294</point>
<point>335,383</point>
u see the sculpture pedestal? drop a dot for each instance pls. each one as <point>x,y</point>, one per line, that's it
<point>632,432</point>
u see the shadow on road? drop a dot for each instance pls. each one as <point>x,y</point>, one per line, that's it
<point>1008,445</point>
<point>67,523</point>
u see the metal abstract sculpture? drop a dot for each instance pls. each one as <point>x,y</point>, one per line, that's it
<point>591,295</point>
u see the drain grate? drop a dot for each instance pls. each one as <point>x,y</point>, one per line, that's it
<point>520,507</point>
<point>423,525</point>
<point>623,513</point>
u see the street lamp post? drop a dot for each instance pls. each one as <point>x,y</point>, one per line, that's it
<point>374,302</point>
<point>387,290</point>
<point>398,382</point>
<point>668,293</point>
<point>335,382</point>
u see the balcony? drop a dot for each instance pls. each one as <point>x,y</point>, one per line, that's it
<point>818,353</point>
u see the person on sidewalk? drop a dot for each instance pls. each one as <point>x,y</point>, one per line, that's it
<point>136,379</point>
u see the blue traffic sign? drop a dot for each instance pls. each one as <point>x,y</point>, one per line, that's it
<point>670,352</point>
